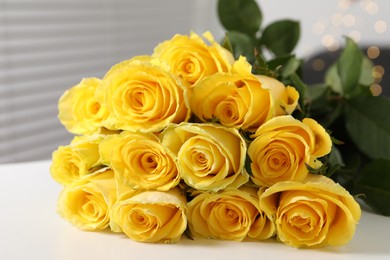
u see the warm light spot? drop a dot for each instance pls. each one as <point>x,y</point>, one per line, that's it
<point>373,52</point>
<point>337,19</point>
<point>380,26</point>
<point>327,40</point>
<point>344,4</point>
<point>318,64</point>
<point>334,47</point>
<point>355,35</point>
<point>376,89</point>
<point>378,71</point>
<point>349,20</point>
<point>318,28</point>
<point>372,8</point>
<point>330,42</point>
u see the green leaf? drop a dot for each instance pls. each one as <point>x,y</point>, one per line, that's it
<point>300,87</point>
<point>278,62</point>
<point>349,66</point>
<point>368,124</point>
<point>240,15</point>
<point>351,160</point>
<point>260,67</point>
<point>374,183</point>
<point>316,92</point>
<point>324,105</point>
<point>316,101</point>
<point>334,113</point>
<point>332,79</point>
<point>366,77</point>
<point>321,170</point>
<point>335,140</point>
<point>335,158</point>
<point>282,66</point>
<point>241,45</point>
<point>334,161</point>
<point>290,67</point>
<point>227,44</point>
<point>281,37</point>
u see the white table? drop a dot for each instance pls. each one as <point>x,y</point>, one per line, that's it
<point>31,229</point>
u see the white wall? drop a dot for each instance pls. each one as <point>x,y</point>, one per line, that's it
<point>48,46</point>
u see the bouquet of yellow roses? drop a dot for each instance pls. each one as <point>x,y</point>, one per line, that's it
<point>194,139</point>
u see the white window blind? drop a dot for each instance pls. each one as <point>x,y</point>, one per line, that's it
<point>47,46</point>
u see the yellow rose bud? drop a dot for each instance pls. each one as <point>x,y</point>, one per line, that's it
<point>285,98</point>
<point>234,99</point>
<point>86,202</point>
<point>79,158</point>
<point>142,95</point>
<point>151,216</point>
<point>322,143</point>
<point>231,215</point>
<point>314,213</point>
<point>209,156</point>
<point>191,58</point>
<point>140,161</point>
<point>283,146</point>
<point>79,110</point>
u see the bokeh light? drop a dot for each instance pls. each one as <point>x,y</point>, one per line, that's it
<point>318,64</point>
<point>376,89</point>
<point>373,52</point>
<point>380,26</point>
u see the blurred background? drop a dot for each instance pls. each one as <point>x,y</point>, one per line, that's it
<point>47,46</point>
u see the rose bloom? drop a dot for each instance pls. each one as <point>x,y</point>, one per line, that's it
<point>142,95</point>
<point>192,59</point>
<point>236,99</point>
<point>285,98</point>
<point>151,216</point>
<point>79,158</point>
<point>283,147</point>
<point>140,161</point>
<point>233,214</point>
<point>314,213</point>
<point>86,202</point>
<point>79,110</point>
<point>209,156</point>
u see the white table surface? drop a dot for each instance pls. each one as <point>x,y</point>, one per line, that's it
<point>31,229</point>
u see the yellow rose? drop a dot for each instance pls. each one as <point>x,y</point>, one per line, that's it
<point>234,99</point>
<point>86,202</point>
<point>140,161</point>
<point>79,158</point>
<point>141,94</point>
<point>314,213</point>
<point>151,216</point>
<point>209,156</point>
<point>191,58</point>
<point>283,146</point>
<point>285,98</point>
<point>79,110</point>
<point>231,215</point>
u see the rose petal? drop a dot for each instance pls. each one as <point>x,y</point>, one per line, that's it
<point>338,211</point>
